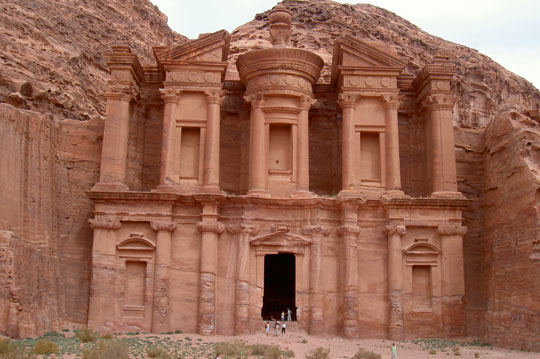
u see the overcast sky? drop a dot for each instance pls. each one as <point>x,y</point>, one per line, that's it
<point>507,31</point>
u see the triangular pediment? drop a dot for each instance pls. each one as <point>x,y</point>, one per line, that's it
<point>280,239</point>
<point>207,48</point>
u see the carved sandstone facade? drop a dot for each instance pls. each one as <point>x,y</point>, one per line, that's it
<point>216,190</point>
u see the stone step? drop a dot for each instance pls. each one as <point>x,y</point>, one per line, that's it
<point>292,327</point>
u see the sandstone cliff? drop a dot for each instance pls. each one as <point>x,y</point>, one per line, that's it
<point>52,78</point>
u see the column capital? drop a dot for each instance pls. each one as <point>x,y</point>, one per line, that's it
<point>391,101</point>
<point>105,223</point>
<point>306,102</point>
<point>214,96</point>
<point>256,99</point>
<point>348,230</point>
<point>347,100</point>
<point>250,229</point>
<point>276,227</point>
<point>316,230</point>
<point>119,92</point>
<point>163,225</point>
<point>392,229</point>
<point>452,230</point>
<point>438,102</point>
<point>170,95</point>
<point>216,227</point>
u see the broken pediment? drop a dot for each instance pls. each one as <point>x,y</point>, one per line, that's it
<point>280,239</point>
<point>207,48</point>
<point>136,241</point>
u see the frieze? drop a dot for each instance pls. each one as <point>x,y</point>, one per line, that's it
<point>372,82</point>
<point>316,230</point>
<point>452,230</point>
<point>194,77</point>
<point>274,80</point>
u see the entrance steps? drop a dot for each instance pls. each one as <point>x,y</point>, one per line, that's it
<point>292,327</point>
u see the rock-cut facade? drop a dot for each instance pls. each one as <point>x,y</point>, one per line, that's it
<point>225,200</point>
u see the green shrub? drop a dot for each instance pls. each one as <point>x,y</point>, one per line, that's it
<point>319,353</point>
<point>107,349</point>
<point>288,354</point>
<point>235,349</point>
<point>43,346</point>
<point>476,355</point>
<point>157,352</point>
<point>364,354</point>
<point>304,341</point>
<point>107,336</point>
<point>87,335</point>
<point>178,331</point>
<point>432,352</point>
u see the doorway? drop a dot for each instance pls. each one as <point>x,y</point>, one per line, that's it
<point>279,286</point>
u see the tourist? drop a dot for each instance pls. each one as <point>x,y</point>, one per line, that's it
<point>276,328</point>
<point>289,312</point>
<point>218,356</point>
<point>282,316</point>
<point>394,351</point>
<point>267,328</point>
<point>283,326</point>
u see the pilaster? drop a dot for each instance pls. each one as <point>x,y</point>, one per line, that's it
<point>258,164</point>
<point>211,144</point>
<point>347,102</point>
<point>302,185</point>
<point>393,172</point>
<point>395,280</point>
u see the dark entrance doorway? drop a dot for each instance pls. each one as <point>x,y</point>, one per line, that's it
<point>279,285</point>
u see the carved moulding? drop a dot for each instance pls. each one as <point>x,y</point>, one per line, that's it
<point>112,224</point>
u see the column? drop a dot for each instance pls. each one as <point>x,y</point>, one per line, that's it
<point>347,103</point>
<point>350,280</point>
<point>393,172</point>
<point>160,310</point>
<point>210,229</point>
<point>395,281</point>
<point>441,132</point>
<point>241,318</point>
<point>302,185</point>
<point>101,312</point>
<point>166,181</point>
<point>316,322</point>
<point>452,278</point>
<point>211,143</point>
<point>115,140</point>
<point>258,164</point>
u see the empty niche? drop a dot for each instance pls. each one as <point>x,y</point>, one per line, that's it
<point>135,284</point>
<point>280,152</point>
<point>421,286</point>
<point>370,158</point>
<point>189,152</point>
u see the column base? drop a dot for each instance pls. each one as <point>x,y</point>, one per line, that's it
<point>211,189</point>
<point>448,194</point>
<point>166,187</point>
<point>115,186</point>
<point>258,193</point>
<point>395,193</point>
<point>350,193</point>
<point>302,194</point>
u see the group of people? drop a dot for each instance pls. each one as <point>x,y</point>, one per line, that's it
<point>278,324</point>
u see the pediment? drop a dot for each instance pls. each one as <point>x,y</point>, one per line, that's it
<point>136,241</point>
<point>207,48</point>
<point>422,248</point>
<point>280,239</point>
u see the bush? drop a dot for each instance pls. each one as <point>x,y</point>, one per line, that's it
<point>235,349</point>
<point>476,355</point>
<point>364,354</point>
<point>432,352</point>
<point>87,335</point>
<point>107,336</point>
<point>319,353</point>
<point>157,352</point>
<point>304,341</point>
<point>288,354</point>
<point>107,349</point>
<point>43,346</point>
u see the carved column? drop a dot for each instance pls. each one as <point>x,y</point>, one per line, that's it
<point>395,281</point>
<point>160,312</point>
<point>350,280</point>
<point>453,280</point>
<point>101,312</point>
<point>393,175</point>
<point>115,140</point>
<point>348,103</point>
<point>245,231</point>
<point>170,98</point>
<point>316,322</point>
<point>210,229</point>
<point>302,186</point>
<point>442,152</point>
<point>211,144</point>
<point>258,164</point>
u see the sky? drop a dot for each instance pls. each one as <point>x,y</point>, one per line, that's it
<point>507,31</point>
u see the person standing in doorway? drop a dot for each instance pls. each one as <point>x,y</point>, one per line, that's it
<point>276,327</point>
<point>289,312</point>
<point>282,316</point>
<point>394,351</point>
<point>283,327</point>
<point>267,328</point>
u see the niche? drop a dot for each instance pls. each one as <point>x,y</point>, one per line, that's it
<point>280,148</point>
<point>135,284</point>
<point>370,158</point>
<point>421,286</point>
<point>189,152</point>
